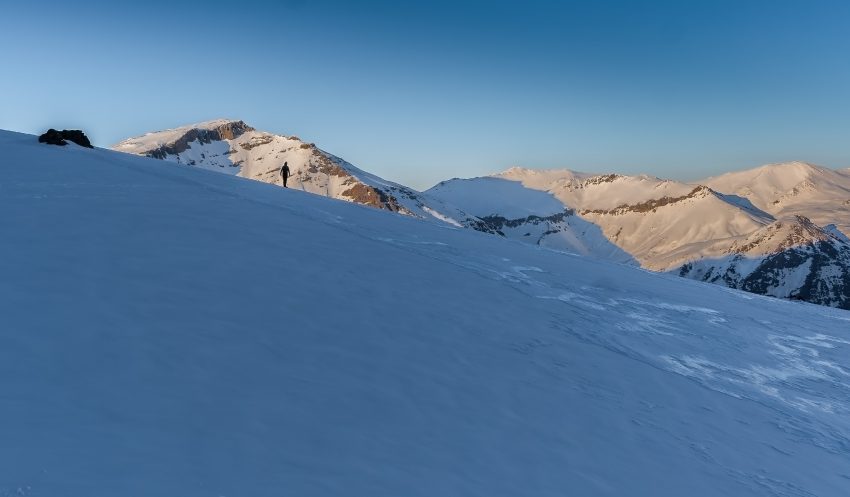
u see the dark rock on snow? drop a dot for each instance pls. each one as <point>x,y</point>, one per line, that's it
<point>54,137</point>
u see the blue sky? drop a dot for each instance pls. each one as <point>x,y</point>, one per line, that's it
<point>420,92</point>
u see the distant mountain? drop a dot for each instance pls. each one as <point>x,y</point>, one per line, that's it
<point>791,258</point>
<point>793,188</point>
<point>661,223</point>
<point>233,147</point>
<point>511,210</point>
<point>752,236</point>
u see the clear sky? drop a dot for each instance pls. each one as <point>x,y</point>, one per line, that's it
<point>418,92</point>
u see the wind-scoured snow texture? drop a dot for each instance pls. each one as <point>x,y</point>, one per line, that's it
<point>233,147</point>
<point>169,331</point>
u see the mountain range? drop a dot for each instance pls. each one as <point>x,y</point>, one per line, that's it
<point>777,230</point>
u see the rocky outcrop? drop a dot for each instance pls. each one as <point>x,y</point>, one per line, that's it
<point>321,163</point>
<point>496,224</point>
<point>599,180</point>
<point>651,205</point>
<point>258,141</point>
<point>361,193</point>
<point>225,131</point>
<point>61,138</point>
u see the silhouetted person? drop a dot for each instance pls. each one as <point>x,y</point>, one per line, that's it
<point>284,173</point>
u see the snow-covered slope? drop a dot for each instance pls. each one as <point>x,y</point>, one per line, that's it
<point>793,189</point>
<point>168,331</point>
<point>233,147</point>
<point>597,192</point>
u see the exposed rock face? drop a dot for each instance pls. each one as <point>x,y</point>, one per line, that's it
<point>599,180</point>
<point>225,131</point>
<point>257,142</point>
<point>61,138</point>
<point>52,137</point>
<point>650,205</point>
<point>496,224</point>
<point>321,163</point>
<point>233,147</point>
<point>367,195</point>
<point>792,259</point>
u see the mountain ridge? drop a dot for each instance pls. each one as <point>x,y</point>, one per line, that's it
<point>661,224</point>
<point>232,146</point>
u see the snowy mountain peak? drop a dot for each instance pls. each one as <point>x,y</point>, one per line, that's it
<point>217,123</point>
<point>778,177</point>
<point>516,170</point>
<point>789,188</point>
<point>160,144</point>
<point>230,146</point>
<point>542,176</point>
<point>166,135</point>
<point>798,167</point>
<point>233,147</point>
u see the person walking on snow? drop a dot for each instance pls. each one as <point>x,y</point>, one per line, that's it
<point>284,173</point>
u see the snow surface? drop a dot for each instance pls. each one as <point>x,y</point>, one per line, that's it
<point>169,331</point>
